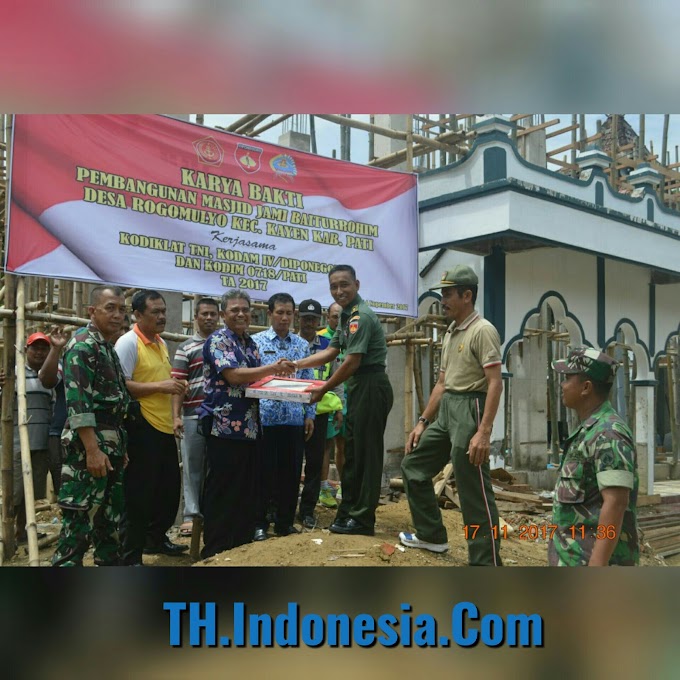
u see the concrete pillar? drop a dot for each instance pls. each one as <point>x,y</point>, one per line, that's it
<point>644,432</point>
<point>529,406</point>
<point>383,146</point>
<point>299,141</point>
<point>532,147</point>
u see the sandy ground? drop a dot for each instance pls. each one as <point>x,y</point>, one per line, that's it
<point>318,547</point>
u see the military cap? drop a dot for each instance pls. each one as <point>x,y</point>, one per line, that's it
<point>460,275</point>
<point>590,362</point>
<point>310,308</point>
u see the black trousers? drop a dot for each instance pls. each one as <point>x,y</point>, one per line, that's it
<point>314,452</point>
<point>369,399</point>
<point>152,489</point>
<point>229,494</point>
<point>281,454</point>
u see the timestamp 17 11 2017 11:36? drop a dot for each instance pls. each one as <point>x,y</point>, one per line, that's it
<point>534,532</point>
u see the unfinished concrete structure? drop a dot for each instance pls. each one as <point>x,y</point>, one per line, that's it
<point>564,261</point>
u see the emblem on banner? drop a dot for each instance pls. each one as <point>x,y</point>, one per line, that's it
<point>248,157</point>
<point>209,151</point>
<point>283,166</point>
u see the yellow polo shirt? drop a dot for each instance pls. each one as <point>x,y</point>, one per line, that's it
<point>152,365</point>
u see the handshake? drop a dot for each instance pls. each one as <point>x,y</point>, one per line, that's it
<point>284,368</point>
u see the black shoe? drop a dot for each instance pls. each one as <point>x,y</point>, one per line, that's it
<point>286,531</point>
<point>339,522</point>
<point>351,526</point>
<point>260,535</point>
<point>167,548</point>
<point>308,521</point>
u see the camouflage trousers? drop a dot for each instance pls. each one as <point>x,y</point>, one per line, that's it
<point>91,507</point>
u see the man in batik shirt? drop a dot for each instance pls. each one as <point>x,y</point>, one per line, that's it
<point>231,424</point>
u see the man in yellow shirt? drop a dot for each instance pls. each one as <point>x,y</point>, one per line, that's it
<point>152,478</point>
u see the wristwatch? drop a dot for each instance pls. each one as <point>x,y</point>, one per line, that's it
<point>424,420</point>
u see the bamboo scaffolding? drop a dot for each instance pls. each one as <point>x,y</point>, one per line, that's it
<point>7,460</point>
<point>26,468</point>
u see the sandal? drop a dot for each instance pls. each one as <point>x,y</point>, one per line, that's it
<point>186,529</point>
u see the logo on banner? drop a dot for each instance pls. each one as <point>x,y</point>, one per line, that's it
<point>283,166</point>
<point>248,157</point>
<point>209,151</point>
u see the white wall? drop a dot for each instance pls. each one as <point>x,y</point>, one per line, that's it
<point>667,313</point>
<point>627,296</point>
<point>529,275</point>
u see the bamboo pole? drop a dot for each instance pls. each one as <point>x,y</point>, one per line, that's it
<point>312,133</point>
<point>641,138</point>
<point>7,462</point>
<point>245,129</point>
<point>552,404</point>
<point>574,123</point>
<point>664,160</point>
<point>418,377</point>
<point>240,122</point>
<point>613,151</point>
<point>276,121</point>
<point>408,390</point>
<point>78,302</point>
<point>27,471</point>
<point>415,341</point>
<point>671,367</point>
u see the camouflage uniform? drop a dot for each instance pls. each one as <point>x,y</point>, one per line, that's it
<point>599,454</point>
<point>96,396</point>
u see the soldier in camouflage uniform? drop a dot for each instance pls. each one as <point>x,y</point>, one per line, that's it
<point>93,439</point>
<point>596,491</point>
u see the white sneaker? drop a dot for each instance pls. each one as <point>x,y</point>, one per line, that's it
<point>412,541</point>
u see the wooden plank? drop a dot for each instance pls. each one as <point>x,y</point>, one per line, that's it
<point>541,126</point>
<point>439,485</point>
<point>561,131</point>
<point>561,149</point>
<point>564,164</point>
<point>643,501</point>
<point>519,497</point>
<point>653,534</point>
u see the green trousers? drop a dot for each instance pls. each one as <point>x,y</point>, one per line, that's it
<point>369,399</point>
<point>91,507</point>
<point>449,437</point>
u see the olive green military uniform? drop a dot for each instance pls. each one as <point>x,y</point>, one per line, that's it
<point>599,454</point>
<point>467,350</point>
<point>96,396</point>
<point>369,399</point>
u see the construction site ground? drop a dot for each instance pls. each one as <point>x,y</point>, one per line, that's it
<point>318,547</point>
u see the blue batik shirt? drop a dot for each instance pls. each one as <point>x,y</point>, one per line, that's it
<point>234,416</point>
<point>293,348</point>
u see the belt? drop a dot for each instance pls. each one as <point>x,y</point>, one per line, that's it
<point>373,368</point>
<point>470,395</point>
<point>110,419</point>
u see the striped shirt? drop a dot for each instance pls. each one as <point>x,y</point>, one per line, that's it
<point>188,365</point>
